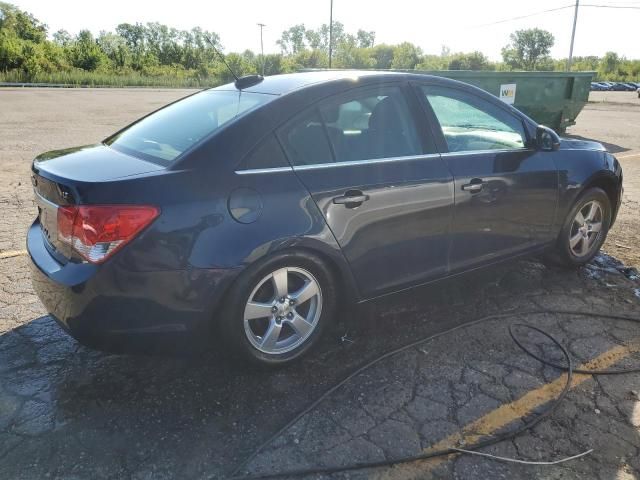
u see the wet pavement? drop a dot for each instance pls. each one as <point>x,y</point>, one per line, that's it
<point>70,412</point>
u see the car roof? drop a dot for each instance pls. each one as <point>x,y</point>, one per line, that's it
<point>289,82</point>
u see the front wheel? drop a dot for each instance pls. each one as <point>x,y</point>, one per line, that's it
<point>585,228</point>
<point>279,308</point>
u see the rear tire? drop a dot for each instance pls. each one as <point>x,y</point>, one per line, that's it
<point>278,308</point>
<point>585,229</point>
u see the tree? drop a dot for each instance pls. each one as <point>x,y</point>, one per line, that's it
<point>528,48</point>
<point>62,38</point>
<point>85,53</point>
<point>349,55</point>
<point>23,24</point>
<point>383,56</point>
<point>406,56</point>
<point>365,39</point>
<point>609,64</point>
<point>433,62</point>
<point>115,48</point>
<point>469,61</point>
<point>292,40</point>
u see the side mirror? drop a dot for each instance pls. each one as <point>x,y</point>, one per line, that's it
<point>546,139</point>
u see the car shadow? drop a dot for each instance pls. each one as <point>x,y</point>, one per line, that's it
<point>67,410</point>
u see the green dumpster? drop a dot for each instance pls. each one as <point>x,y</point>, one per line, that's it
<point>551,98</point>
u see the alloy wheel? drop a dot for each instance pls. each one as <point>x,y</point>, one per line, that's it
<point>283,310</point>
<point>586,229</point>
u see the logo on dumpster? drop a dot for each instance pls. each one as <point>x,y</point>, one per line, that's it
<point>508,93</point>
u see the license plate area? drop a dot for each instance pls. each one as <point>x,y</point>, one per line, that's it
<point>48,216</point>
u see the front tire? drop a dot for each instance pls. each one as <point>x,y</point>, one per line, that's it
<point>279,308</point>
<point>585,229</point>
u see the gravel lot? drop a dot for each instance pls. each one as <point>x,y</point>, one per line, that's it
<point>70,412</point>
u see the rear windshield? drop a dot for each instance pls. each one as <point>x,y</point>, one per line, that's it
<point>163,136</point>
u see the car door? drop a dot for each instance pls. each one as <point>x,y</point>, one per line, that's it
<point>382,188</point>
<point>506,190</point>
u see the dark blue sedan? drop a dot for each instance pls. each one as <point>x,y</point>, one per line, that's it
<point>255,210</point>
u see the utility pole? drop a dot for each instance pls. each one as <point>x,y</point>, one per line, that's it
<point>330,32</point>
<point>262,25</point>
<point>573,36</point>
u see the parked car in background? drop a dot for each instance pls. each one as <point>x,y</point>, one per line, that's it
<point>258,210</point>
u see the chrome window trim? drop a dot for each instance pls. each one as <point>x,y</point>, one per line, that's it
<point>426,156</point>
<point>497,150</point>
<point>254,171</point>
<point>366,162</point>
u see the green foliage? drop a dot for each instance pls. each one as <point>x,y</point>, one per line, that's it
<point>529,49</point>
<point>25,25</point>
<point>470,61</point>
<point>306,59</point>
<point>406,56</point>
<point>383,56</point>
<point>139,54</point>
<point>365,39</point>
<point>85,52</point>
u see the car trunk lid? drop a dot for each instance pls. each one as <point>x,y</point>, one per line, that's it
<point>57,174</point>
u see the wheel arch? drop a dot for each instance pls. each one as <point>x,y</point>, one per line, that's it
<point>610,184</point>
<point>331,256</point>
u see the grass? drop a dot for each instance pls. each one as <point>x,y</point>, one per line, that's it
<point>82,78</point>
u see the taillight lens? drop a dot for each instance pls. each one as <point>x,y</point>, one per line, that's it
<point>97,231</point>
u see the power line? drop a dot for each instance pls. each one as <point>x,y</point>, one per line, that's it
<point>593,5</point>
<point>611,6</point>
<point>524,16</point>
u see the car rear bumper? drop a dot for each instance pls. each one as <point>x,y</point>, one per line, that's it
<point>113,308</point>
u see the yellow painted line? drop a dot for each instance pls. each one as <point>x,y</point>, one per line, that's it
<point>504,415</point>
<point>12,253</point>
<point>629,156</point>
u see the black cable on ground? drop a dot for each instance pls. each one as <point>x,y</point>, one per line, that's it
<point>449,451</point>
<point>606,371</point>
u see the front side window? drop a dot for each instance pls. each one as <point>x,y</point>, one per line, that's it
<point>363,125</point>
<point>164,135</point>
<point>470,123</point>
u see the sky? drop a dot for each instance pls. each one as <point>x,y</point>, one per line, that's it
<point>461,25</point>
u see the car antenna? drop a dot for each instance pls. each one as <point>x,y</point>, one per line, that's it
<point>224,60</point>
<point>240,82</point>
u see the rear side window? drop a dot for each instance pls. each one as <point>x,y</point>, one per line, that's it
<point>364,124</point>
<point>163,136</point>
<point>470,123</point>
<point>369,125</point>
<point>266,155</point>
<point>305,140</point>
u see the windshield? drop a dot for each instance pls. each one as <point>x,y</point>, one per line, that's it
<point>163,136</point>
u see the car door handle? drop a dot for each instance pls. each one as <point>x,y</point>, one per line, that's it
<point>474,186</point>
<point>351,199</point>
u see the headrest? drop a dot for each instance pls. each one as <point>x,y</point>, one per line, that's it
<point>385,115</point>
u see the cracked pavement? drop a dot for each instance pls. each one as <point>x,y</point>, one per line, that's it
<point>70,412</point>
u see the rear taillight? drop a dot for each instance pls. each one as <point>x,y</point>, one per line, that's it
<point>97,231</point>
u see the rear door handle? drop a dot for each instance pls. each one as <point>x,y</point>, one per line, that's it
<point>474,186</point>
<point>351,199</point>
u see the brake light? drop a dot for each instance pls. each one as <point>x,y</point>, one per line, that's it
<point>97,231</point>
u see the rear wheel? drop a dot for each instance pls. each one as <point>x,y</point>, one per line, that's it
<point>279,308</point>
<point>585,228</point>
